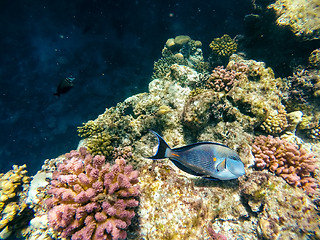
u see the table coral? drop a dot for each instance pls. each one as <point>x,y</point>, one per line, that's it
<point>287,160</point>
<point>90,199</point>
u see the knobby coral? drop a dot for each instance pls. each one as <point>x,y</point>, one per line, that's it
<point>91,199</point>
<point>287,160</point>
<point>222,79</point>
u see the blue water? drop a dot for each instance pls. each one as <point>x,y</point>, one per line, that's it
<point>108,47</point>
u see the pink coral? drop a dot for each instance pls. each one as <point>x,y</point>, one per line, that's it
<point>222,79</point>
<point>287,160</point>
<point>90,199</point>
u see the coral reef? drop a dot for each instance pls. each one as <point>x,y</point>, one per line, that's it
<point>100,144</point>
<point>90,199</point>
<point>283,212</point>
<point>287,160</point>
<point>302,16</point>
<point>89,129</point>
<point>14,212</point>
<point>224,46</point>
<point>314,58</point>
<point>276,122</point>
<point>222,79</point>
<point>303,91</point>
<point>180,50</point>
<point>184,108</point>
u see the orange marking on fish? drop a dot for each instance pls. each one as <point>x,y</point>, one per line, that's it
<point>175,154</point>
<point>214,159</point>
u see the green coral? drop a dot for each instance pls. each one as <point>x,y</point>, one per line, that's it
<point>89,128</point>
<point>101,144</point>
<point>224,46</point>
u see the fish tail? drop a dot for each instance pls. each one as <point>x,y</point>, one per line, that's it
<point>162,147</point>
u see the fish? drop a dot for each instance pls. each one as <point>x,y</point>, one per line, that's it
<point>210,160</point>
<point>64,86</point>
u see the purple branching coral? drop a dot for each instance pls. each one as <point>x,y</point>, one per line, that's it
<point>222,79</point>
<point>91,199</point>
<point>287,160</point>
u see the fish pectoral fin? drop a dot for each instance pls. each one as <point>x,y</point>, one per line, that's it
<point>212,178</point>
<point>184,168</point>
<point>222,165</point>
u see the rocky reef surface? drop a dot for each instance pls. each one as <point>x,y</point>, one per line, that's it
<point>191,100</point>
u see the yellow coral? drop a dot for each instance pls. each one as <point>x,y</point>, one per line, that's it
<point>224,46</point>
<point>303,16</point>
<point>100,144</point>
<point>276,122</point>
<point>314,58</point>
<point>89,129</point>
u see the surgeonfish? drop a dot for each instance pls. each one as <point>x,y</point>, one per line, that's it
<point>206,159</point>
<point>64,86</point>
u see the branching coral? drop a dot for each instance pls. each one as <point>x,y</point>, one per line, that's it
<point>89,128</point>
<point>90,199</point>
<point>100,144</point>
<point>303,90</point>
<point>287,160</point>
<point>222,79</point>
<point>223,46</point>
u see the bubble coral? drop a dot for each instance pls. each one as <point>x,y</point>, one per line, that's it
<point>224,46</point>
<point>287,160</point>
<point>91,199</point>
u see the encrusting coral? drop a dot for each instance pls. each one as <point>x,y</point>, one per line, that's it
<point>287,160</point>
<point>276,122</point>
<point>90,199</point>
<point>314,58</point>
<point>302,17</point>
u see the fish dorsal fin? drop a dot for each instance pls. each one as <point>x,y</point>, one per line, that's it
<point>222,165</point>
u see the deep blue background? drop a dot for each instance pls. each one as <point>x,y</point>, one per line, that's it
<point>108,46</point>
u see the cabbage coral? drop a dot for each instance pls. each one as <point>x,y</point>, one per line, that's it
<point>90,199</point>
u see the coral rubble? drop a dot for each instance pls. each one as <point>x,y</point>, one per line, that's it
<point>90,199</point>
